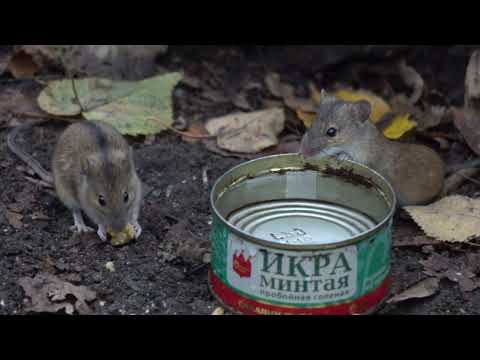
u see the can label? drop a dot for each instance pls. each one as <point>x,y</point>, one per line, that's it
<point>300,279</point>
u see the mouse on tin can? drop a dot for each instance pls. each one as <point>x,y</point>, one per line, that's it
<point>343,129</point>
<point>93,171</point>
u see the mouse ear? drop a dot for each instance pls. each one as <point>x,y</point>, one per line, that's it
<point>326,98</point>
<point>362,110</point>
<point>87,165</point>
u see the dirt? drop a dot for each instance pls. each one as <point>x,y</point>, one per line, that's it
<point>153,275</point>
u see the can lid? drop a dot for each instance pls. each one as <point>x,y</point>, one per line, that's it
<point>300,222</point>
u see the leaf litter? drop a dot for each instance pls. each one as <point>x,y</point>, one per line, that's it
<point>49,294</point>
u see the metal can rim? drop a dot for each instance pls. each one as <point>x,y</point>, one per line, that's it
<point>380,226</point>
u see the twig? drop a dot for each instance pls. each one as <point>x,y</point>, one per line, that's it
<point>470,179</point>
<point>76,95</point>
<point>39,182</point>
<point>193,136</point>
<point>457,179</point>
<point>44,116</point>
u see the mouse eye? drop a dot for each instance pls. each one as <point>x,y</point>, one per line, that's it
<point>125,197</point>
<point>101,200</point>
<point>331,132</point>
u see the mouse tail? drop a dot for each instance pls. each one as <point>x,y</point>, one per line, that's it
<point>28,159</point>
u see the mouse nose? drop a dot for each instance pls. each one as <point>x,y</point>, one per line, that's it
<point>118,223</point>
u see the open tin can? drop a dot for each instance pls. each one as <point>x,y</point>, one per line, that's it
<point>290,237</point>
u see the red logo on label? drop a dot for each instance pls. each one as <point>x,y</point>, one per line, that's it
<point>242,266</point>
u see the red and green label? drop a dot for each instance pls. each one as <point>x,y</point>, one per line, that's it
<point>255,279</point>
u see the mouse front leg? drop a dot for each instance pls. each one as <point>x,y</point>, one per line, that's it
<point>102,232</point>
<point>137,228</point>
<point>79,225</point>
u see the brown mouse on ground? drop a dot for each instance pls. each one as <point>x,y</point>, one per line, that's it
<point>343,129</point>
<point>93,171</point>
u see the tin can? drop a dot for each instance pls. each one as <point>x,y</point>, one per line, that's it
<point>291,237</point>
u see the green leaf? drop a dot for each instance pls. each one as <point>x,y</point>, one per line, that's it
<point>133,108</point>
<point>146,110</point>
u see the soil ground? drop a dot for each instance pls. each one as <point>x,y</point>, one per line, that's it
<point>152,275</point>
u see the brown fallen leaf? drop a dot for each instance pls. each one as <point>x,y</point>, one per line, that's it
<point>467,121</point>
<point>425,119</point>
<point>412,79</point>
<point>49,294</point>
<point>15,207</point>
<point>22,65</point>
<point>472,82</point>
<point>15,101</point>
<point>247,132</point>
<point>5,57</point>
<point>195,133</point>
<point>274,85</point>
<point>240,101</point>
<point>283,147</point>
<point>218,311</point>
<point>37,215</point>
<point>423,289</point>
<point>453,269</point>
<point>188,246</point>
<point>14,219</point>
<point>453,219</point>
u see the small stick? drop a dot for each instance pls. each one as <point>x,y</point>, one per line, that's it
<point>456,179</point>
<point>193,136</point>
<point>39,182</point>
<point>44,116</point>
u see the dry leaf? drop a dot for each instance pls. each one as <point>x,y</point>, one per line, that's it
<point>195,133</point>
<point>14,219</point>
<point>287,93</point>
<point>453,219</point>
<point>467,121</point>
<point>454,269</point>
<point>431,117</point>
<point>218,311</point>
<point>22,65</point>
<point>472,81</point>
<point>272,80</point>
<point>49,294</point>
<point>241,102</point>
<point>5,57</point>
<point>37,215</point>
<point>248,132</point>
<point>413,79</point>
<point>423,289</point>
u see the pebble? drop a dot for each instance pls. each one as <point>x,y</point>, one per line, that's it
<point>110,266</point>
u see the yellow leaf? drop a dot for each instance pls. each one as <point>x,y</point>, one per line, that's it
<point>306,117</point>
<point>398,126</point>
<point>379,106</point>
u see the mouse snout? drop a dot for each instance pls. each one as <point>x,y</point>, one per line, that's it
<point>118,222</point>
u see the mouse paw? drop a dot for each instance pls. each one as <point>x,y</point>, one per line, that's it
<point>102,233</point>
<point>137,228</point>
<point>81,228</point>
